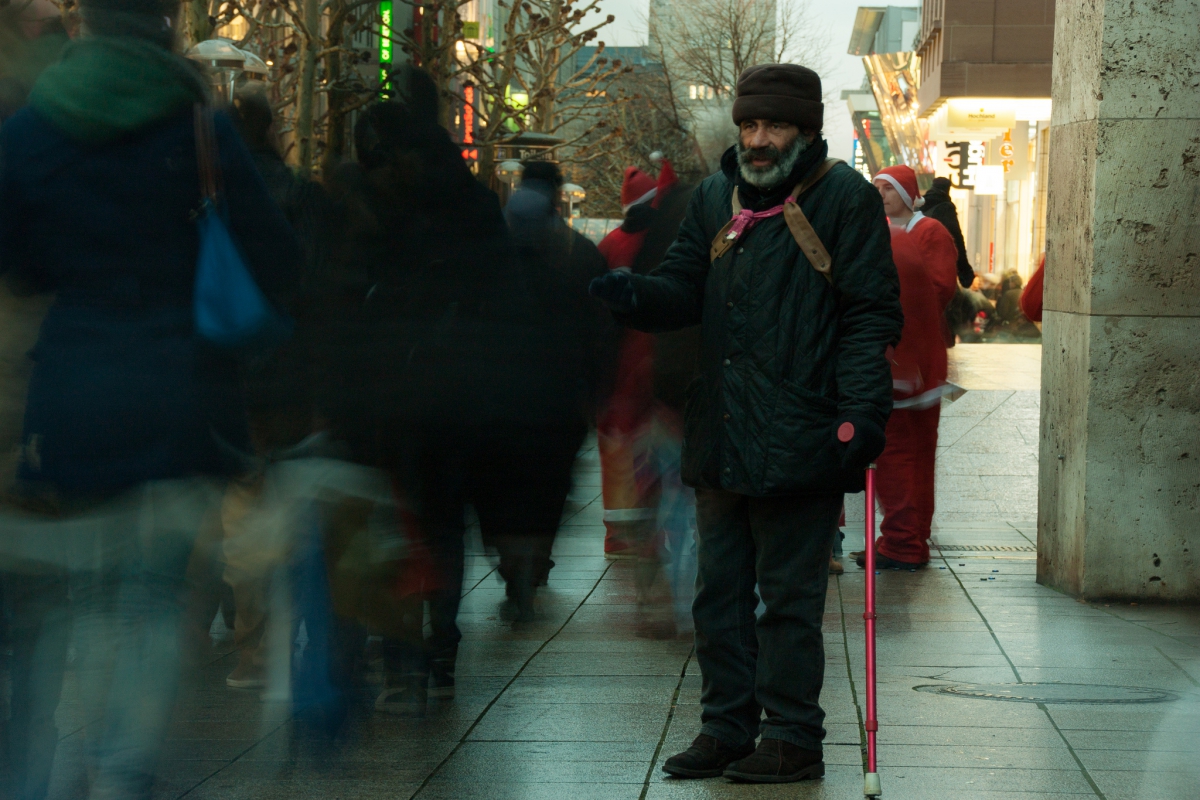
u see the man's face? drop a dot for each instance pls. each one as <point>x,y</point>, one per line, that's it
<point>893,203</point>
<point>768,150</point>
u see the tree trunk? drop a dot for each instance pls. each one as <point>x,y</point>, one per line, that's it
<point>306,102</point>
<point>197,24</point>
<point>448,31</point>
<point>335,132</point>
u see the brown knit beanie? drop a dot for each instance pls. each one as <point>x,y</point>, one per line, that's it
<point>781,92</point>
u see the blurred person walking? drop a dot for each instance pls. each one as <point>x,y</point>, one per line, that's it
<point>674,367</point>
<point>34,614</point>
<point>1031,295</point>
<point>126,404</point>
<point>789,357</point>
<point>437,356</point>
<point>280,396</point>
<point>625,422</point>
<point>578,356</point>
<point>925,258</point>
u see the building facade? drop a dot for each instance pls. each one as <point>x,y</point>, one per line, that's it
<point>984,77</point>
<point>963,91</point>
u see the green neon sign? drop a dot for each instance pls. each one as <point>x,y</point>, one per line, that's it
<point>385,40</point>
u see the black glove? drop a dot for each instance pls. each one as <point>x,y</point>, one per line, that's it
<point>615,290</point>
<point>860,439</point>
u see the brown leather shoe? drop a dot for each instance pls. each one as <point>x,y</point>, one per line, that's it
<point>706,758</point>
<point>777,761</point>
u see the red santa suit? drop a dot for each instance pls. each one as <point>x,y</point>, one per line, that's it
<point>628,477</point>
<point>925,258</point>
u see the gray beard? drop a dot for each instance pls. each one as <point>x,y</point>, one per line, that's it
<point>777,173</point>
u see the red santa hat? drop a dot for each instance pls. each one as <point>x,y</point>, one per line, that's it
<point>638,187</point>
<point>666,181</point>
<point>904,181</point>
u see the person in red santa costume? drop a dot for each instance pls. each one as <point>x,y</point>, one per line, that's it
<point>925,258</point>
<point>628,476</point>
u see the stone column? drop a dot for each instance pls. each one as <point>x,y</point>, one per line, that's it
<point>1119,483</point>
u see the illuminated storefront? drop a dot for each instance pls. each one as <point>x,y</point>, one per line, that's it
<point>872,151</point>
<point>984,93</point>
<point>970,107</point>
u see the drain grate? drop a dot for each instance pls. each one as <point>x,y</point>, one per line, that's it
<point>987,548</point>
<point>1051,693</point>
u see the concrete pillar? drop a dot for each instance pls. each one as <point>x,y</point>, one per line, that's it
<point>1119,485</point>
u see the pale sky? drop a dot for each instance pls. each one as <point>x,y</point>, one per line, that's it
<point>845,71</point>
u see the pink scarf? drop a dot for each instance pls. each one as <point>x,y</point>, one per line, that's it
<point>747,219</point>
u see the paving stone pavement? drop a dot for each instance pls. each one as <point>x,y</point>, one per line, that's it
<point>588,702</point>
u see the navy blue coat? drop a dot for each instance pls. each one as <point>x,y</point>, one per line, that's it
<point>122,391</point>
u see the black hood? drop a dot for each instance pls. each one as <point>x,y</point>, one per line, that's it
<point>935,198</point>
<point>756,199</point>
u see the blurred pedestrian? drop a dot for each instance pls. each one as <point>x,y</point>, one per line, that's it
<point>31,38</point>
<point>280,386</point>
<point>940,207</point>
<point>624,424</point>
<point>792,352</point>
<point>127,406</point>
<point>410,349</point>
<point>445,366</point>
<point>578,356</point>
<point>925,256</point>
<point>1011,322</point>
<point>674,368</point>
<point>1031,296</point>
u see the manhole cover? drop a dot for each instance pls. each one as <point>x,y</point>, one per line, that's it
<point>1053,693</point>
<point>987,548</point>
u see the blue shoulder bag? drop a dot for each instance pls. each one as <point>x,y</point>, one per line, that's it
<point>230,310</point>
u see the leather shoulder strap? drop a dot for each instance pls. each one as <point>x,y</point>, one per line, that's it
<point>810,243</point>
<point>802,230</point>
<point>720,245</point>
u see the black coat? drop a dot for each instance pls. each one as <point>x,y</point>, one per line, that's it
<point>577,343</point>
<point>784,353</point>
<point>432,323</point>
<point>122,390</point>
<point>939,206</point>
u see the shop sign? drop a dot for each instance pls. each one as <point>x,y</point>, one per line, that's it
<point>963,158</point>
<point>976,117</point>
<point>385,40</point>
<point>470,30</point>
<point>1006,152</point>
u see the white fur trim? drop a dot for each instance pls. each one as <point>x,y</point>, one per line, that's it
<point>647,197</point>
<point>912,223</point>
<point>904,195</point>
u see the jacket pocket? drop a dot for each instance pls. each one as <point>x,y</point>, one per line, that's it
<point>802,455</point>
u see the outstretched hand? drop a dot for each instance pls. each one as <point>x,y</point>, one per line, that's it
<point>861,441</point>
<point>615,290</point>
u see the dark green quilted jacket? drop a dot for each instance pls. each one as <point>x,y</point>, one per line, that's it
<point>784,353</point>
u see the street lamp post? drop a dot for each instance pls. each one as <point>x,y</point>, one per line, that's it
<point>509,173</point>
<point>572,194</point>
<point>228,63</point>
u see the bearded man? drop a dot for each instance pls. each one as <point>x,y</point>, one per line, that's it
<point>790,406</point>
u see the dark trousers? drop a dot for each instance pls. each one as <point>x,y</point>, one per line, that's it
<point>906,484</point>
<point>517,477</point>
<point>775,664</point>
<point>38,618</point>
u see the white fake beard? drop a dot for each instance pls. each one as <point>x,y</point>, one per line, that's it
<point>777,173</point>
